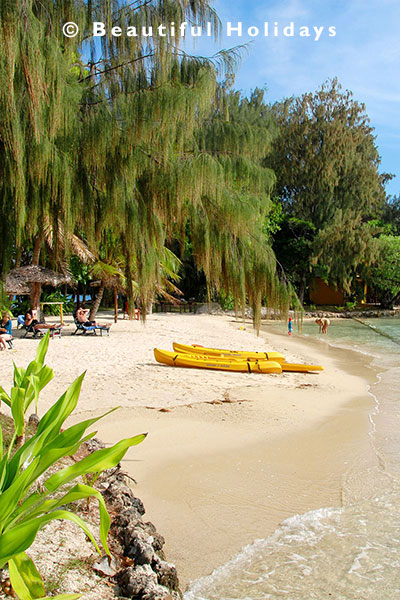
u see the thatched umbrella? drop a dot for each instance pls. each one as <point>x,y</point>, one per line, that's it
<point>31,278</point>
<point>16,288</point>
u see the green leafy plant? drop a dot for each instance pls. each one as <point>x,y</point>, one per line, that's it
<point>54,309</point>
<point>30,496</point>
<point>226,301</point>
<point>20,305</point>
<point>351,305</point>
<point>5,308</point>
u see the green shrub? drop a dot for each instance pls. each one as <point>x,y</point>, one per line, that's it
<point>54,309</point>
<point>351,305</point>
<point>226,302</point>
<point>20,305</point>
<point>4,307</point>
<point>27,504</point>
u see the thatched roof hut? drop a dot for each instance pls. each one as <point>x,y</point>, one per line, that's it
<point>19,281</point>
<point>16,288</point>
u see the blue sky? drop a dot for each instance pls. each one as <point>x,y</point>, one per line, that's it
<point>364,55</point>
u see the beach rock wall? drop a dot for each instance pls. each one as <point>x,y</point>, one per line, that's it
<point>141,571</point>
<point>214,308</point>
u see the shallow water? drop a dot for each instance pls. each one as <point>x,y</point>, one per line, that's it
<point>350,551</point>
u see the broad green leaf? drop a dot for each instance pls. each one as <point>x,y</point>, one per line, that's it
<point>31,369</point>
<point>17,490</point>
<point>19,374</point>
<point>17,539</point>
<point>98,461</point>
<point>37,445</point>
<point>25,578</point>
<point>17,409</point>
<point>42,349</point>
<point>3,470</point>
<point>58,413</point>
<point>24,454</point>
<point>1,442</point>
<point>73,434</point>
<point>45,375</point>
<point>4,396</point>
<point>30,391</point>
<point>48,454</point>
<point>36,387</point>
<point>64,443</point>
<point>79,492</point>
<point>29,503</point>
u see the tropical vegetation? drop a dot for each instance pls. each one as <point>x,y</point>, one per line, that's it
<point>117,150</point>
<point>35,487</point>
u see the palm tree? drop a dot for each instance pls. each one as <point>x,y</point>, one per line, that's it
<point>110,273</point>
<point>109,276</point>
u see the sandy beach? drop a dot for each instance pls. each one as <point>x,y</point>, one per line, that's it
<point>228,455</point>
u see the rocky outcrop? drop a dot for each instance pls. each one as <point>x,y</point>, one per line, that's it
<point>269,313</point>
<point>143,572</point>
<point>353,314</point>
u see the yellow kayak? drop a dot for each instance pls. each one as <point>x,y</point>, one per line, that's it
<point>243,354</point>
<point>229,355</point>
<point>195,361</point>
<point>300,368</point>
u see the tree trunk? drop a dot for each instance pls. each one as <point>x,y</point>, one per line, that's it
<point>302,288</point>
<point>36,288</point>
<point>18,257</point>
<point>149,307</point>
<point>129,284</point>
<point>36,249</point>
<point>97,302</point>
<point>115,305</point>
<point>387,300</point>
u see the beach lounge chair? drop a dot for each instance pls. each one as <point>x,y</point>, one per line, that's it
<point>29,329</point>
<point>36,331</point>
<point>85,329</point>
<point>55,332</point>
<point>82,327</point>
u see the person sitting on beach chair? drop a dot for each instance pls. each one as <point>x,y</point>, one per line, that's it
<point>36,325</point>
<point>5,331</point>
<point>20,321</point>
<point>83,323</point>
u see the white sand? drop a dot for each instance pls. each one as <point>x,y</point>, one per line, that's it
<point>121,370</point>
<point>228,455</point>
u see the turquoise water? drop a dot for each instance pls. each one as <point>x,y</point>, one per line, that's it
<point>347,552</point>
<point>372,336</point>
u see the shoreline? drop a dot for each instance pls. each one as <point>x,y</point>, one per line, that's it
<point>215,477</point>
<point>228,455</point>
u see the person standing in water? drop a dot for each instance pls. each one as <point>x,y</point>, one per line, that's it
<point>290,327</point>
<point>325,324</point>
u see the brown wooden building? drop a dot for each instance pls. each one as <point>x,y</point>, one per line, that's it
<point>323,294</point>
